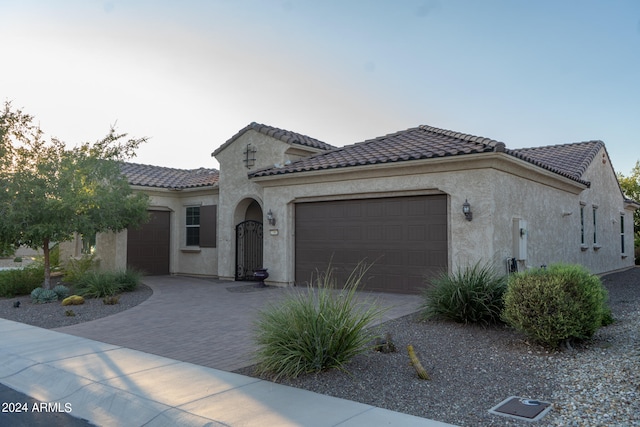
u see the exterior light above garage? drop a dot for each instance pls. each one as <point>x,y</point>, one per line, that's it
<point>466,210</point>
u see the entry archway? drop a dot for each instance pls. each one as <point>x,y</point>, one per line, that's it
<point>249,237</point>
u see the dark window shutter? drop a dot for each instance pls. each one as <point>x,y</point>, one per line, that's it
<point>208,223</point>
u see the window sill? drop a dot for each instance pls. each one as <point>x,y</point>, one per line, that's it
<point>190,249</point>
<point>584,247</point>
<point>596,247</point>
<point>623,256</point>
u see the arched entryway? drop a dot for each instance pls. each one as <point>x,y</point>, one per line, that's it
<point>248,239</point>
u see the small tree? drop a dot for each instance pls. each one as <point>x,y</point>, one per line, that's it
<point>631,188</point>
<point>48,192</point>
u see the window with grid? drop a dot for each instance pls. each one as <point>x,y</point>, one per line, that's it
<point>193,225</point>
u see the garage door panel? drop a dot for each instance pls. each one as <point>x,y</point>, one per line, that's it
<point>148,245</point>
<point>405,237</point>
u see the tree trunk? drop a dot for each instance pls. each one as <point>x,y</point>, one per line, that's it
<point>47,265</point>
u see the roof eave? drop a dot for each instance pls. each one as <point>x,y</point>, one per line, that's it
<point>493,160</point>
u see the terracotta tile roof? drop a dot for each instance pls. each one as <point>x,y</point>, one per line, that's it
<point>281,134</point>
<point>425,142</point>
<point>162,177</point>
<point>570,160</point>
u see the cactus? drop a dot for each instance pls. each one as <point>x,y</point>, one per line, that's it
<point>62,291</point>
<point>111,300</point>
<point>73,300</point>
<point>69,313</point>
<point>41,296</point>
<point>422,373</point>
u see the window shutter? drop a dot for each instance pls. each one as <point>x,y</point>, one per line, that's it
<point>208,223</point>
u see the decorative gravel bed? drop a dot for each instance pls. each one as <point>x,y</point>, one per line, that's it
<point>52,315</point>
<point>472,368</point>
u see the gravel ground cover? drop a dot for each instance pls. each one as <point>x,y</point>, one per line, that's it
<point>472,368</point>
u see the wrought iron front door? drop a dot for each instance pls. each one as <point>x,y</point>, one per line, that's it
<point>248,249</point>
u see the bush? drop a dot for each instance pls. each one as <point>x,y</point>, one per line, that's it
<point>62,291</point>
<point>316,328</point>
<point>95,284</point>
<point>470,295</point>
<point>128,279</point>
<point>555,305</point>
<point>21,281</point>
<point>99,284</point>
<point>7,249</point>
<point>76,268</point>
<point>42,296</point>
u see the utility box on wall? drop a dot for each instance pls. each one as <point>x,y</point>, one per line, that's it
<point>520,233</point>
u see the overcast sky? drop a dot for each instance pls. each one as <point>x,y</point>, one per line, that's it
<point>190,74</point>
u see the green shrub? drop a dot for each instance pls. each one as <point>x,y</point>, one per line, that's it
<point>43,296</point>
<point>315,329</point>
<point>128,279</point>
<point>470,295</point>
<point>7,249</point>
<point>21,281</point>
<point>97,284</point>
<point>555,305</point>
<point>76,268</point>
<point>62,291</point>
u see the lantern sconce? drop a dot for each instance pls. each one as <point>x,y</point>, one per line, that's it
<point>466,210</point>
<point>271,218</point>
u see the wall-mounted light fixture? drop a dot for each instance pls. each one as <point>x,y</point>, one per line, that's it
<point>466,210</point>
<point>271,218</point>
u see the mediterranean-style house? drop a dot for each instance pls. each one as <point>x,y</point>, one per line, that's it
<point>414,203</point>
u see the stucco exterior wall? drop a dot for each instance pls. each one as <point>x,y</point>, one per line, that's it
<point>469,241</point>
<point>111,248</point>
<point>237,191</point>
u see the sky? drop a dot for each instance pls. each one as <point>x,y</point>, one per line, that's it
<point>190,74</point>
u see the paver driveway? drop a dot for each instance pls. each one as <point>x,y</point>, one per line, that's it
<point>205,322</point>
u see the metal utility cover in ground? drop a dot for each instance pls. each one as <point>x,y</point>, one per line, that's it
<point>521,408</point>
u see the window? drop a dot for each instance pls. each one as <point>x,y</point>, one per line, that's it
<point>193,226</point>
<point>595,226</point>
<point>582,224</point>
<point>201,223</point>
<point>88,244</point>
<point>622,234</point>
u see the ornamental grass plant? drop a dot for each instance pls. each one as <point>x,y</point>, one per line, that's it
<point>469,295</point>
<point>316,328</point>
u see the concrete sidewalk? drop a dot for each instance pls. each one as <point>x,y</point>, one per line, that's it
<point>110,385</point>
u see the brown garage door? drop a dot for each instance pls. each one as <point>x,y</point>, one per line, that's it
<point>405,237</point>
<point>148,246</point>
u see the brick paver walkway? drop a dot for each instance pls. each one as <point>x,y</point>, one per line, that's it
<point>201,321</point>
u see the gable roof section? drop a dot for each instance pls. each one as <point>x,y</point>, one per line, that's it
<point>423,142</point>
<point>162,177</point>
<point>281,134</point>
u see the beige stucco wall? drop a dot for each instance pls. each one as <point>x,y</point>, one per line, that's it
<point>111,248</point>
<point>237,191</point>
<point>499,188</point>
